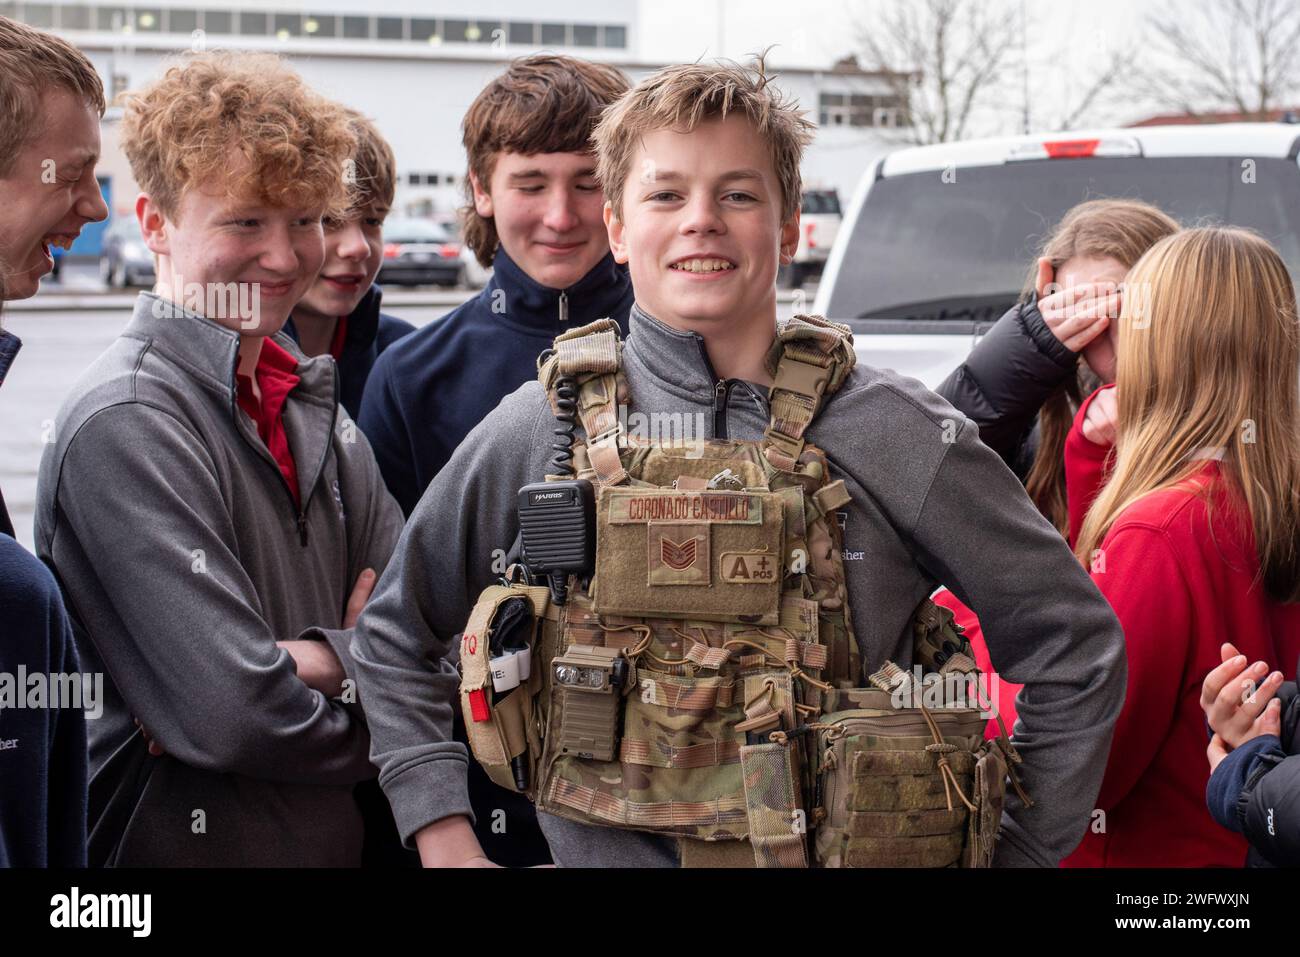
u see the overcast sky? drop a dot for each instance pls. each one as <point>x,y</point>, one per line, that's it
<point>1068,40</point>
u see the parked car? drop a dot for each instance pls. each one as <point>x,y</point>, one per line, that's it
<point>124,259</point>
<point>420,252</point>
<point>938,239</point>
<point>819,223</point>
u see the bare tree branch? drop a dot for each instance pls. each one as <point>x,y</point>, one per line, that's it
<point>942,59</point>
<point>1239,55</point>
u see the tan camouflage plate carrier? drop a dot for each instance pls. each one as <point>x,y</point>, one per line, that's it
<point>745,727</point>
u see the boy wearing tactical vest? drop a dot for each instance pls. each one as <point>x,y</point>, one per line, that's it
<point>534,216</point>
<point>214,521</point>
<point>701,169</point>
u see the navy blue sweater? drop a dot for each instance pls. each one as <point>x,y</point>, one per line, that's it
<point>424,397</point>
<point>42,749</point>
<point>369,333</point>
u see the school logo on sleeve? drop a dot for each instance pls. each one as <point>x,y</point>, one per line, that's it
<point>679,554</point>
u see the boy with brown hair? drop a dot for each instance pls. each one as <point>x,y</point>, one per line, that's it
<point>340,314</point>
<point>213,521</point>
<point>701,169</point>
<point>534,215</point>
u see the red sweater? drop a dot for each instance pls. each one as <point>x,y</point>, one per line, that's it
<point>1180,574</point>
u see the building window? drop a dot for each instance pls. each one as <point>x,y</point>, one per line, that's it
<point>219,21</point>
<point>860,110</point>
<point>584,35</point>
<point>320,25</point>
<point>616,37</point>
<point>149,20</point>
<point>76,17</point>
<point>489,31</point>
<point>39,15</point>
<point>523,33</point>
<point>453,31</point>
<point>182,21</point>
<point>424,30</point>
<point>356,28</point>
<point>286,25</point>
<point>554,35</point>
<point>253,24</point>
<point>390,28</point>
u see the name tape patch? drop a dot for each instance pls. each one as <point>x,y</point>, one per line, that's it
<point>687,507</point>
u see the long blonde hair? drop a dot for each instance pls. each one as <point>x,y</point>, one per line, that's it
<point>1121,229</point>
<point>1209,357</point>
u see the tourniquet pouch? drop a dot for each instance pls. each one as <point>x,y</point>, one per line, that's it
<point>906,786</point>
<point>710,555</point>
<point>502,727</point>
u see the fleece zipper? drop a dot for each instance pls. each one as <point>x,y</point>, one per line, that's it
<point>299,514</point>
<point>722,393</point>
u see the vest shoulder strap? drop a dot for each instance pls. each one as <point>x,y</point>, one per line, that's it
<point>592,356</point>
<point>809,361</point>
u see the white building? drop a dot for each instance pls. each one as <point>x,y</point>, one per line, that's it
<point>414,66</point>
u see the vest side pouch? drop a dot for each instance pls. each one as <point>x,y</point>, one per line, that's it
<point>707,555</point>
<point>499,730</point>
<point>887,801</point>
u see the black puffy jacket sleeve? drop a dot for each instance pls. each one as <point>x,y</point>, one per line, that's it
<point>1268,808</point>
<point>1008,376</point>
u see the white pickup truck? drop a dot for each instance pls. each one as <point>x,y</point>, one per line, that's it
<point>938,240</point>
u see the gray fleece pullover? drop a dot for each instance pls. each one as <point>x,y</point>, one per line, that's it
<point>931,506</point>
<point>183,560</point>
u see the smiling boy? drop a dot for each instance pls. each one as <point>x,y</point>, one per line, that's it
<point>204,506</point>
<point>701,169</point>
<point>340,314</point>
<point>51,99</point>
<point>534,215</point>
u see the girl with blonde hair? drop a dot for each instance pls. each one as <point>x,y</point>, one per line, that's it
<point>1183,481</point>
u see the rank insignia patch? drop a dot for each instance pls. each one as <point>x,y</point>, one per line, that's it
<point>678,554</point>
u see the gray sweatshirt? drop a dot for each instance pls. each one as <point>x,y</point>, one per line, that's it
<point>184,559</point>
<point>930,505</point>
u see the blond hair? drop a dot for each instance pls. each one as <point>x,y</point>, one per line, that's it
<point>180,132</point>
<point>680,98</point>
<point>1119,229</point>
<point>1209,357</point>
<point>31,62</point>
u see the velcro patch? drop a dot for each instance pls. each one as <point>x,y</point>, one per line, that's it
<point>748,568</point>
<point>678,554</point>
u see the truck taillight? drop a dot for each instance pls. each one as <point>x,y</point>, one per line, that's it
<point>392,250</point>
<point>1075,149</point>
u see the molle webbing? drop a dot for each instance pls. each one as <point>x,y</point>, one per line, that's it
<point>592,356</point>
<point>809,360</point>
